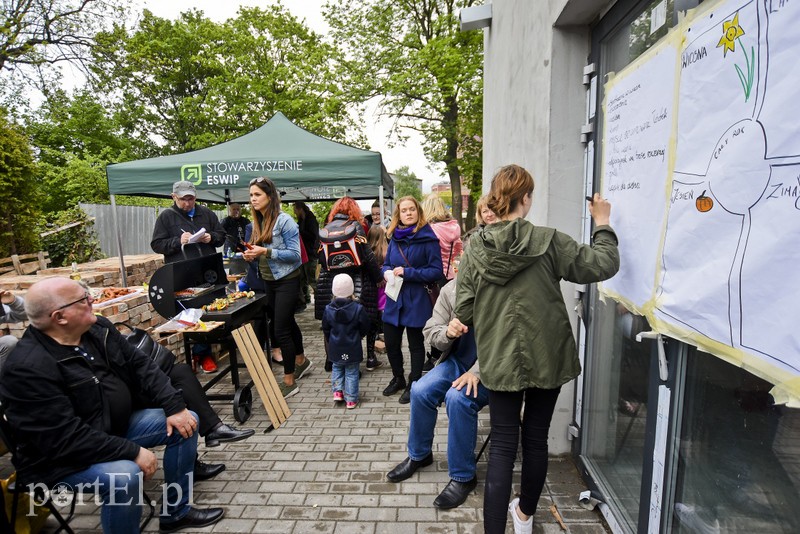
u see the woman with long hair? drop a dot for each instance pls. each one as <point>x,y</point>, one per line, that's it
<point>376,239</point>
<point>446,229</point>
<point>276,248</point>
<point>509,292</point>
<point>413,255</point>
<point>344,214</point>
<point>449,233</point>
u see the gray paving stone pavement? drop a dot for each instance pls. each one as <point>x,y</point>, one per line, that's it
<point>324,470</point>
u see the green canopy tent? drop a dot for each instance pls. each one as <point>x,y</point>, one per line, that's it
<point>302,165</point>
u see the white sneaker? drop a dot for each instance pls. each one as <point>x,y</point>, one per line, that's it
<point>520,526</point>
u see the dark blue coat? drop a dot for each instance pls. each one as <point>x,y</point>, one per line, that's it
<point>345,322</point>
<point>413,306</point>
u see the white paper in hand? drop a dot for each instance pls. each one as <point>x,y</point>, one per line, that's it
<point>393,285</point>
<point>197,236</point>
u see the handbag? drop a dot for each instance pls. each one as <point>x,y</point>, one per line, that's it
<point>140,339</point>
<point>432,288</point>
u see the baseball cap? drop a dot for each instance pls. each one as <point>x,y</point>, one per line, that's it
<point>183,188</point>
<point>342,286</point>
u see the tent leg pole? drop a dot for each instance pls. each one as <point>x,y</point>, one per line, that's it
<point>119,242</point>
<point>380,201</point>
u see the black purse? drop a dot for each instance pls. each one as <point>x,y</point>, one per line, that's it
<point>140,339</point>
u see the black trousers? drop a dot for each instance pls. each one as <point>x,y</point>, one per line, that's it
<point>504,415</point>
<point>393,336</point>
<point>282,298</point>
<point>183,378</point>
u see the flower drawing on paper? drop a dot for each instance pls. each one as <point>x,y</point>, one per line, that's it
<point>731,34</point>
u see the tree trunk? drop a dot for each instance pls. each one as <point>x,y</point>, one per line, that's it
<point>469,222</point>
<point>449,125</point>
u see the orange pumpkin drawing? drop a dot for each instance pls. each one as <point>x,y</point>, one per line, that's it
<point>703,203</point>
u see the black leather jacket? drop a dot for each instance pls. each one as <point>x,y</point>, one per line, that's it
<point>56,407</point>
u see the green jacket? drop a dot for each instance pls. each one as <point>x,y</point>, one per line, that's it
<point>509,292</point>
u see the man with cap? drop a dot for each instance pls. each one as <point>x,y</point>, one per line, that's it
<point>176,225</point>
<point>172,231</point>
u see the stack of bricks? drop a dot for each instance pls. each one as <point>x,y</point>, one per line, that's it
<point>105,273</point>
<point>135,311</point>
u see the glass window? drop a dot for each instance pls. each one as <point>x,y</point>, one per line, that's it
<point>738,467</point>
<point>618,369</point>
<point>616,407</point>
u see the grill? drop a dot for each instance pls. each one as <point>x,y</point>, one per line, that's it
<point>198,282</point>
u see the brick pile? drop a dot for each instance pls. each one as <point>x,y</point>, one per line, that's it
<point>135,311</point>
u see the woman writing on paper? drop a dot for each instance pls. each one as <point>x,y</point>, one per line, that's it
<point>509,292</point>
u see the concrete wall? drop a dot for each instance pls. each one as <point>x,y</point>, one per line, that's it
<point>534,107</point>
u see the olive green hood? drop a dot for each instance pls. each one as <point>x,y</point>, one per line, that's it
<point>503,249</point>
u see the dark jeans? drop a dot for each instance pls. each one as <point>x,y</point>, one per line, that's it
<point>393,336</point>
<point>183,378</point>
<point>282,297</point>
<point>504,415</point>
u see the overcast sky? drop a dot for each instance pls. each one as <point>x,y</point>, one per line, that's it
<point>311,11</point>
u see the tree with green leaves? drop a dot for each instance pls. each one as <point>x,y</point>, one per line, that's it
<point>427,74</point>
<point>19,192</point>
<point>194,83</point>
<point>406,184</point>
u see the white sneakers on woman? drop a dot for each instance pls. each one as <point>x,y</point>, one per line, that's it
<point>520,526</point>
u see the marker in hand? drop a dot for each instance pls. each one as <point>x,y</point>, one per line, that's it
<point>590,200</point>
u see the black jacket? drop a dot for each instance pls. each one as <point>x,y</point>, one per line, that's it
<point>309,233</point>
<point>234,231</point>
<point>365,279</point>
<point>56,407</point>
<point>345,322</point>
<point>172,222</point>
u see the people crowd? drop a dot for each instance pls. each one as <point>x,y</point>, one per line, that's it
<point>412,272</point>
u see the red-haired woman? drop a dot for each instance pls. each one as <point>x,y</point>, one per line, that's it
<point>366,273</point>
<point>509,291</point>
<point>414,256</point>
<point>276,247</point>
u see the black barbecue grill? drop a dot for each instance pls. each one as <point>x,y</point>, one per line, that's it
<point>205,280</point>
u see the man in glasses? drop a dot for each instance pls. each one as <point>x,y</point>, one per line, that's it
<point>173,229</point>
<point>184,218</point>
<point>68,391</point>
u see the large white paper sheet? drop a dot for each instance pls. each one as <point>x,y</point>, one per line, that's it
<point>727,244</point>
<point>638,126</point>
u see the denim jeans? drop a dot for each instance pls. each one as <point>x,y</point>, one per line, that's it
<point>120,481</point>
<point>427,394</point>
<point>344,377</point>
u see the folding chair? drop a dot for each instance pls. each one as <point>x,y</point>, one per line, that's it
<point>42,497</point>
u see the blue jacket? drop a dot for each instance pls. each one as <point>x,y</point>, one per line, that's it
<point>285,258</point>
<point>413,306</point>
<point>345,322</point>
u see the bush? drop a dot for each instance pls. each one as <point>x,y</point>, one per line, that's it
<point>73,238</point>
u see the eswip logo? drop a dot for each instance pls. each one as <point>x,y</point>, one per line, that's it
<point>192,173</point>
